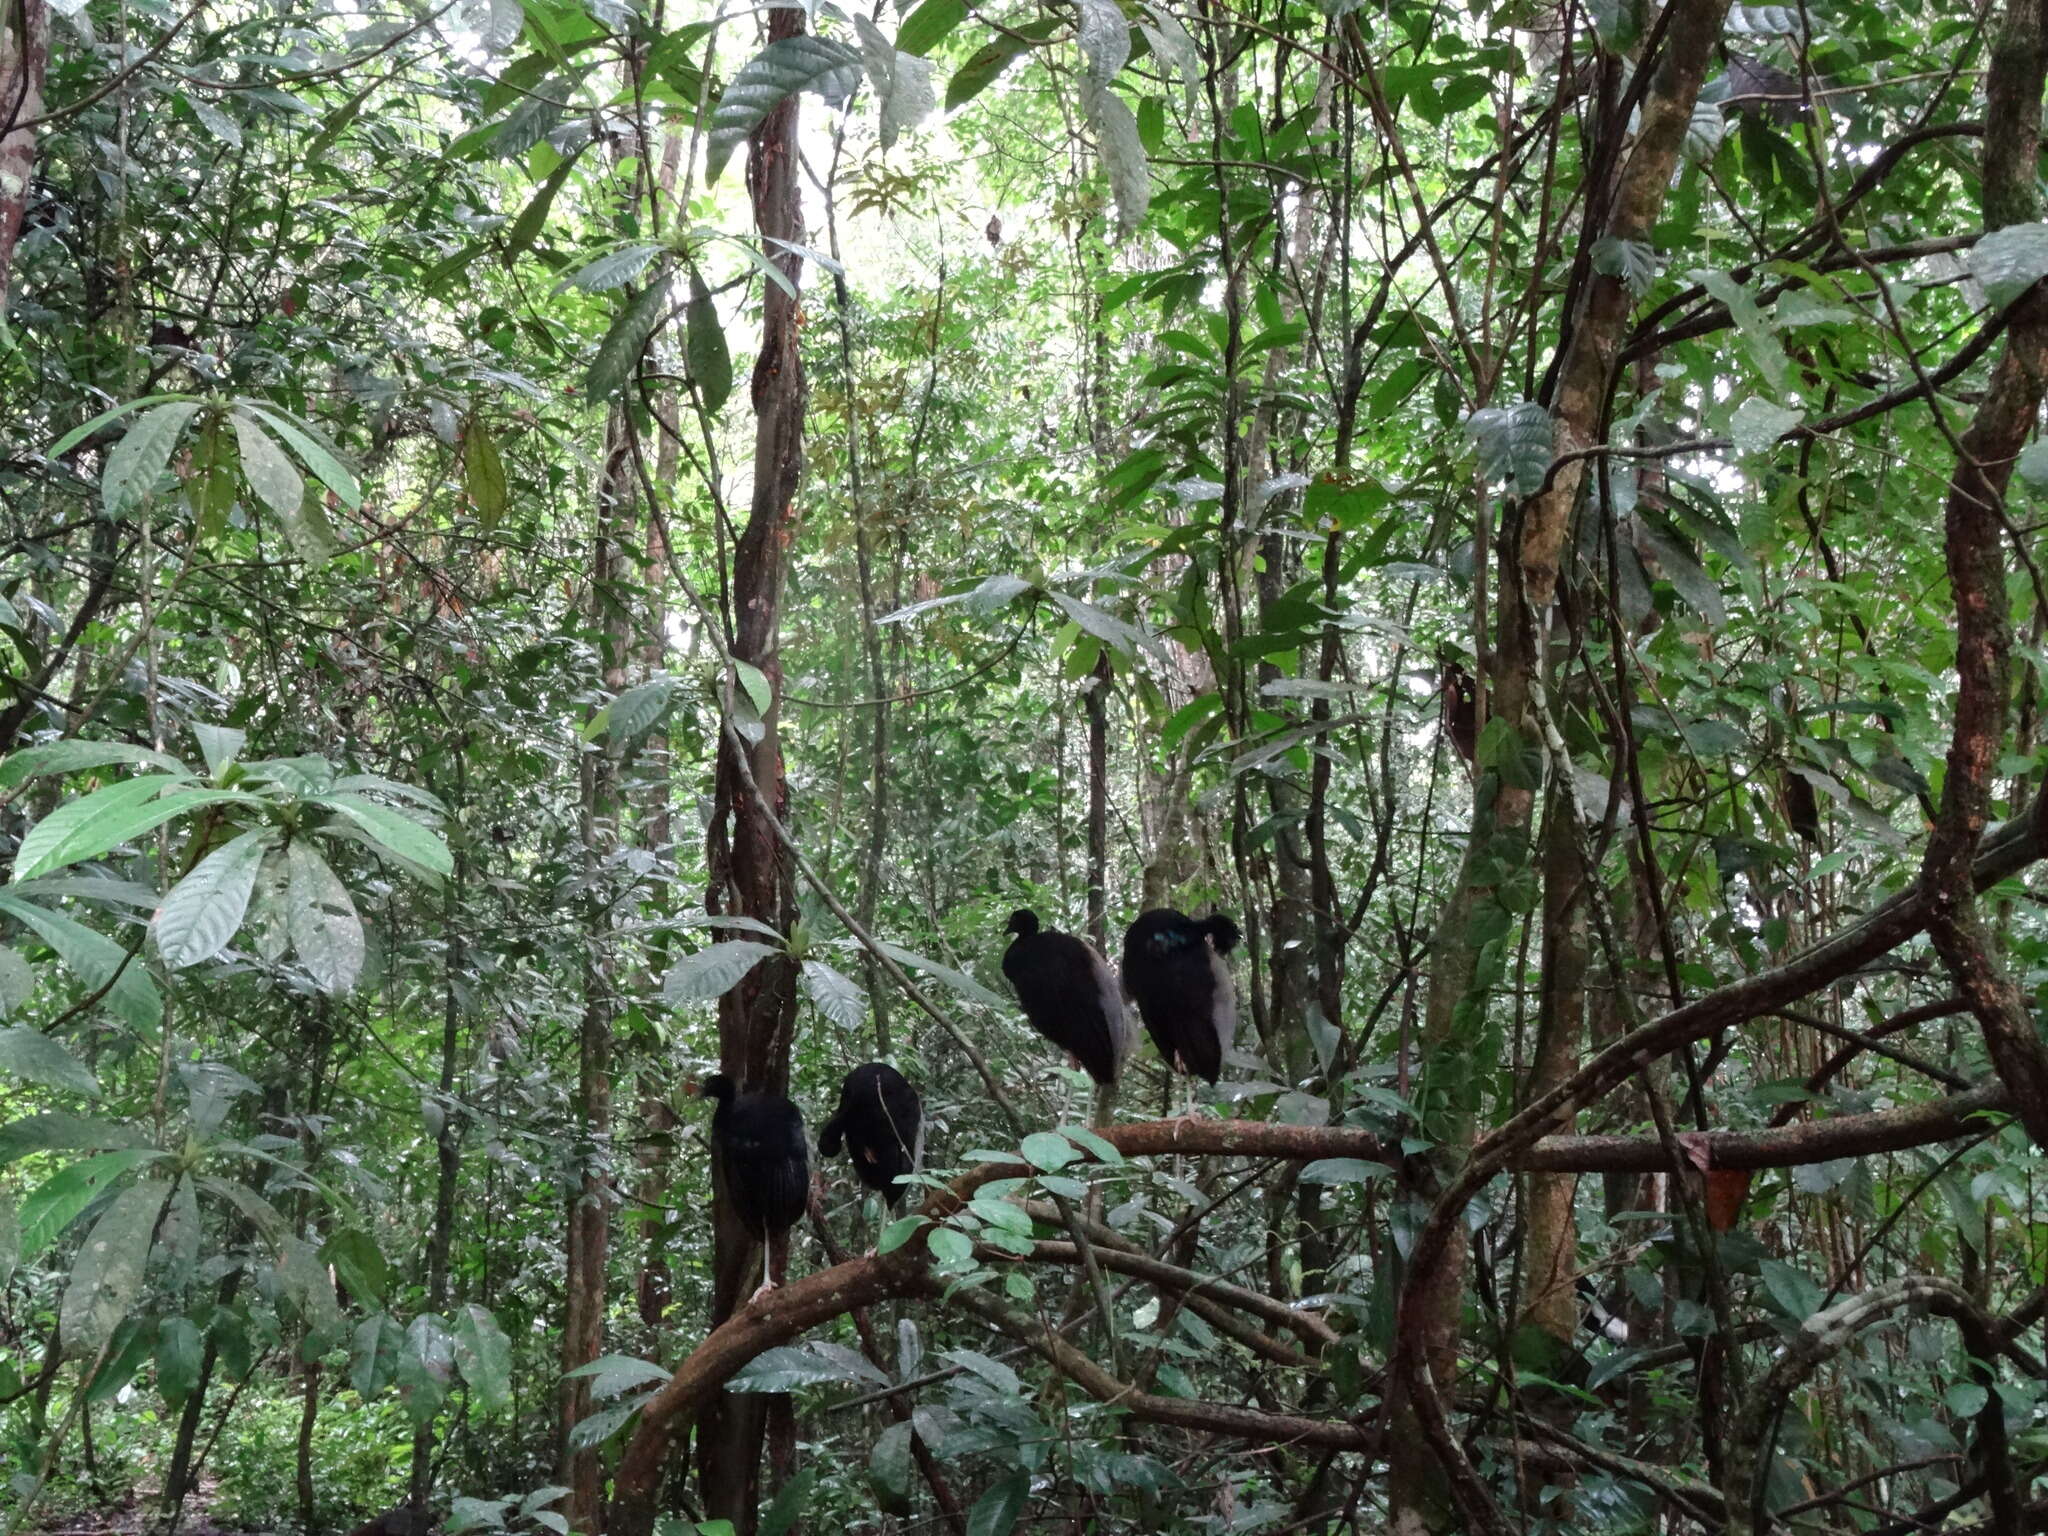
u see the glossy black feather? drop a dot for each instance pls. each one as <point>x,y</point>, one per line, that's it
<point>759,1141</point>
<point>1069,995</point>
<point>881,1124</point>
<point>1174,972</point>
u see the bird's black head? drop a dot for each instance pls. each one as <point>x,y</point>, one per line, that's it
<point>717,1087</point>
<point>1023,922</point>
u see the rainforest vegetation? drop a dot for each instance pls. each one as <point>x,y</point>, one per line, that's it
<point>573,571</point>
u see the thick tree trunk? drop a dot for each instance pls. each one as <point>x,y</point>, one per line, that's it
<point>749,874</point>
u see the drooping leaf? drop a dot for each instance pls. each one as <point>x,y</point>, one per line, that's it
<point>271,475</point>
<point>614,269</point>
<point>902,81</point>
<point>1122,638</point>
<point>2009,261</point>
<point>56,1131</point>
<point>835,996</point>
<point>618,355</point>
<point>788,1504</point>
<point>393,830</point>
<point>959,981</point>
<point>485,1355</point>
<point>785,1369</point>
<point>107,1275</point>
<point>138,461</point>
<point>929,25</point>
<point>483,473</point>
<point>103,820</point>
<point>74,755</point>
<point>17,981</point>
<point>1104,37</point>
<point>1343,1170</point>
<point>714,971</point>
<point>1515,445</point>
<point>97,960</point>
<point>378,1341</point>
<point>996,1512</point>
<point>704,346</point>
<point>791,64</point>
<point>34,1057</point>
<point>205,909</point>
<point>889,1469</point>
<point>613,1374</point>
<point>180,1352</point>
<point>1122,149</point>
<point>314,451</point>
<point>320,916</point>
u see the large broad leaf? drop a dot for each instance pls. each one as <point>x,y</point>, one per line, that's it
<point>929,25</point>
<point>55,1131</point>
<point>88,826</point>
<point>614,269</point>
<point>836,997</point>
<point>783,1370</point>
<point>394,830</point>
<point>205,909</point>
<point>97,960</point>
<point>2009,261</point>
<point>59,1200</point>
<point>426,1365</point>
<point>103,820</point>
<point>485,1355</point>
<point>377,1343</point>
<point>1122,638</point>
<point>714,971</point>
<point>318,455</point>
<point>612,1374</point>
<point>889,1469</point>
<point>995,1512</point>
<point>959,981</point>
<point>704,346</point>
<point>138,460</point>
<point>261,1214</point>
<point>74,755</point>
<point>980,71</point>
<point>1105,39</point>
<point>1122,150</point>
<point>108,1274</point>
<point>768,79</point>
<point>326,934</point>
<point>180,1352</point>
<point>483,473</point>
<point>271,475</point>
<point>1515,445</point>
<point>34,1057</point>
<point>619,353</point>
<point>903,81</point>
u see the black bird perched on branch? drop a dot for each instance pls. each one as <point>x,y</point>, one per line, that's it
<point>757,1144</point>
<point>1174,970</point>
<point>881,1125</point>
<point>1069,995</point>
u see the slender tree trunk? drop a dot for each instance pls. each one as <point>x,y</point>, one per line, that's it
<point>750,876</point>
<point>24,57</point>
<point>590,1207</point>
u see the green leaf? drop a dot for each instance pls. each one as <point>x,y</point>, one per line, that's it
<point>34,1057</point>
<point>326,934</point>
<point>270,474</point>
<point>393,830</point>
<point>358,1264</point>
<point>58,1201</point>
<point>818,64</point>
<point>994,1372</point>
<point>377,1343</point>
<point>614,269</point>
<point>1791,1289</point>
<point>704,348</point>
<point>898,1232</point>
<point>533,218</point>
<point>80,433</point>
<point>55,1131</point>
<point>483,473</point>
<point>87,827</point>
<point>889,1469</point>
<point>205,909</point>
<point>180,1353</point>
<point>98,960</point>
<point>17,981</point>
<point>714,970</point>
<point>1515,445</point>
<point>619,1373</point>
<point>74,755</point>
<point>788,1504</point>
<point>426,1365</point>
<point>107,1275</point>
<point>320,458</point>
<point>834,995</point>
<point>981,70</point>
<point>138,461</point>
<point>2009,261</point>
<point>755,681</point>
<point>995,1512</point>
<point>949,1245</point>
<point>261,1214</point>
<point>959,981</point>
<point>902,81</point>
<point>1122,638</point>
<point>618,355</point>
<point>485,1355</point>
<point>636,711</point>
<point>1044,1149</point>
<point>784,1370</point>
<point>1344,1170</point>
<point>929,25</point>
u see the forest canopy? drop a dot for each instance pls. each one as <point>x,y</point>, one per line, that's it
<point>1105,765</point>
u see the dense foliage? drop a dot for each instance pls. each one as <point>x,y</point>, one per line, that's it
<point>549,548</point>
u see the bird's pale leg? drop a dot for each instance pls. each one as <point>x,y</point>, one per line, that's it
<point>777,1250</point>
